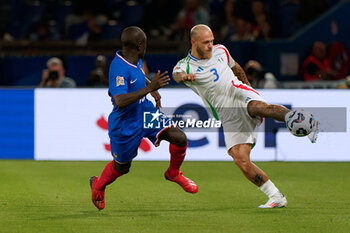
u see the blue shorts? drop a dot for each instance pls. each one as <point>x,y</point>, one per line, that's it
<point>124,149</point>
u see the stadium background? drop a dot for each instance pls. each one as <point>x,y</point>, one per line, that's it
<point>33,30</point>
<point>26,47</point>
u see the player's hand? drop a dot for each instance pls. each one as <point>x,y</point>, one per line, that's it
<point>189,77</point>
<point>157,97</point>
<point>160,80</point>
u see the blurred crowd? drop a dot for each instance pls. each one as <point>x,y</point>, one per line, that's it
<point>166,20</point>
<point>322,64</point>
<point>234,20</point>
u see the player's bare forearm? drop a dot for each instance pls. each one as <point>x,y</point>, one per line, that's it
<point>178,77</point>
<point>239,72</point>
<point>181,77</point>
<point>123,100</point>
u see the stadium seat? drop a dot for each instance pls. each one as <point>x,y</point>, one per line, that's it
<point>61,11</point>
<point>25,15</point>
<point>78,30</point>
<point>289,23</point>
<point>110,32</point>
<point>132,14</point>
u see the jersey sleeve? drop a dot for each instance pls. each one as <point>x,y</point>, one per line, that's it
<point>118,80</point>
<point>180,66</point>
<point>226,55</point>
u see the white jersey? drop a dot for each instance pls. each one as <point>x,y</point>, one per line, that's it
<point>214,77</point>
<point>222,92</point>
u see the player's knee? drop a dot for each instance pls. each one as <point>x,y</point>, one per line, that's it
<point>122,168</point>
<point>175,136</point>
<point>180,139</point>
<point>243,164</point>
<point>240,159</point>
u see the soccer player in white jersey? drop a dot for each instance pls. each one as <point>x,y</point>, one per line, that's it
<point>210,71</point>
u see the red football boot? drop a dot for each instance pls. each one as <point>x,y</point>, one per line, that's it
<point>98,196</point>
<point>187,184</point>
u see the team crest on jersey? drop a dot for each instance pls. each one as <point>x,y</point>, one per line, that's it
<point>120,81</point>
<point>220,59</point>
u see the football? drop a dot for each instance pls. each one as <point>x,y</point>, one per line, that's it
<point>299,122</point>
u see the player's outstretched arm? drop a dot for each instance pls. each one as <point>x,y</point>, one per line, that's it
<point>239,72</point>
<point>180,77</point>
<point>160,80</point>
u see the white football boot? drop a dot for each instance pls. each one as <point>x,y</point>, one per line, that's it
<point>276,201</point>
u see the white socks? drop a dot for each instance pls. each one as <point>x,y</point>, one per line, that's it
<point>269,188</point>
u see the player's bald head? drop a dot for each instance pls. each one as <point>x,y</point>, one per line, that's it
<point>202,40</point>
<point>198,30</point>
<point>132,37</point>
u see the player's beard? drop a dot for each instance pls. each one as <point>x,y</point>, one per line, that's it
<point>203,54</point>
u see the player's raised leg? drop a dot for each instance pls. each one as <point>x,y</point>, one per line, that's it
<point>177,149</point>
<point>279,113</point>
<point>262,109</point>
<point>241,155</point>
<point>109,174</point>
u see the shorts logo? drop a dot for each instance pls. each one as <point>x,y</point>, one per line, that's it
<point>115,155</point>
<point>247,99</point>
<point>120,81</point>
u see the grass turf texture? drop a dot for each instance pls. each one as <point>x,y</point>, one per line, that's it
<point>39,196</point>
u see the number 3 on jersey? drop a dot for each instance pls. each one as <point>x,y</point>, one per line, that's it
<point>215,72</point>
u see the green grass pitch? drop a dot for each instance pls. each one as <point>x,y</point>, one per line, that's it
<point>40,196</point>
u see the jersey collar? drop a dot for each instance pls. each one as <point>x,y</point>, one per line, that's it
<point>120,56</point>
<point>192,57</point>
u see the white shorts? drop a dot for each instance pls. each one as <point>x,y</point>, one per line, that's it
<point>239,127</point>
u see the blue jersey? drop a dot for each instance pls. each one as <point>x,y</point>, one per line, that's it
<point>126,126</point>
<point>125,77</point>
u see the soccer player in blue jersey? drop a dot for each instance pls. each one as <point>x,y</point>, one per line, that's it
<point>128,87</point>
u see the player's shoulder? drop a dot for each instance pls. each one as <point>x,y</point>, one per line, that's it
<point>117,61</point>
<point>121,64</point>
<point>181,64</point>
<point>183,60</point>
<point>219,48</point>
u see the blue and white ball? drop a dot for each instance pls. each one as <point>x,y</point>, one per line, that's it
<point>299,122</point>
